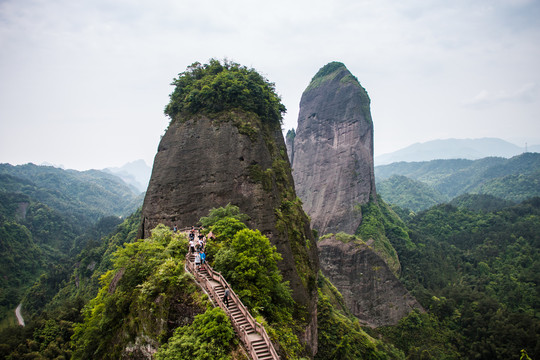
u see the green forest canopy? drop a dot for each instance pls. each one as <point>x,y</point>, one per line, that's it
<point>215,87</point>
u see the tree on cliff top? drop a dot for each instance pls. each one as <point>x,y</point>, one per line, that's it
<point>215,87</point>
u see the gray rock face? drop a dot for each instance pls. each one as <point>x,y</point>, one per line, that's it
<point>332,158</point>
<point>333,150</point>
<point>369,288</point>
<point>205,163</point>
<point>289,141</point>
<point>199,166</point>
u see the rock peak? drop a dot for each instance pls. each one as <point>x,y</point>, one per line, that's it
<point>332,153</point>
<point>328,69</point>
<point>226,146</point>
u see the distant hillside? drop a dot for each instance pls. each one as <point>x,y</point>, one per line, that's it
<point>475,202</point>
<point>408,193</point>
<point>477,272</point>
<point>514,179</point>
<point>48,215</point>
<point>471,149</point>
<point>82,196</point>
<point>135,173</point>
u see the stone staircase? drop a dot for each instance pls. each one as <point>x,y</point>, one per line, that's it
<point>252,334</point>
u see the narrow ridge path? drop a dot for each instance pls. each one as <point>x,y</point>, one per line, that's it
<point>252,334</point>
<point>19,316</point>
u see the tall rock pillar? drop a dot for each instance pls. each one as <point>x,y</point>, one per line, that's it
<point>333,150</point>
<point>230,149</point>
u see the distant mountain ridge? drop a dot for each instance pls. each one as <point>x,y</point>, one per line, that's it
<point>404,183</point>
<point>471,149</point>
<point>135,173</point>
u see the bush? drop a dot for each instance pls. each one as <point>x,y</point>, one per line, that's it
<point>209,337</point>
<point>250,265</point>
<point>216,87</point>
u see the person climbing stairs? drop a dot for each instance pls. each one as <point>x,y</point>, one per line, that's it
<point>252,334</point>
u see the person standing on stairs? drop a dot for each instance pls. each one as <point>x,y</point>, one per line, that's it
<point>226,296</point>
<point>203,258</point>
<point>197,260</point>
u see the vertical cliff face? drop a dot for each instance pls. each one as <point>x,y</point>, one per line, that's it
<point>332,158</point>
<point>335,137</point>
<point>204,163</point>
<point>369,288</point>
<point>208,159</point>
<point>289,141</point>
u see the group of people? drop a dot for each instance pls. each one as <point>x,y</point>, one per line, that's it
<point>197,246</point>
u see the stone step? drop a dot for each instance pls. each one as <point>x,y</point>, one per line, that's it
<point>262,350</point>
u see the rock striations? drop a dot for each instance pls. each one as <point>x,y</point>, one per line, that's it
<point>209,159</point>
<point>370,289</point>
<point>332,156</point>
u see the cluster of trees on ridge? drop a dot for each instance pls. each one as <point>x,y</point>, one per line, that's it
<point>215,87</point>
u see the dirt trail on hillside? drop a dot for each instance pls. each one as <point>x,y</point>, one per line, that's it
<point>18,314</point>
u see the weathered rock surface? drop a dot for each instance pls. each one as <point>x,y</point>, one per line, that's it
<point>289,141</point>
<point>204,163</point>
<point>369,288</point>
<point>332,156</point>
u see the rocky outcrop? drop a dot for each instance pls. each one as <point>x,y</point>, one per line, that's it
<point>370,289</point>
<point>205,162</point>
<point>332,156</point>
<point>289,141</point>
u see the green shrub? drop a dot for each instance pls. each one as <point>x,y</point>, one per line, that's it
<point>216,87</point>
<point>210,336</point>
<point>250,265</point>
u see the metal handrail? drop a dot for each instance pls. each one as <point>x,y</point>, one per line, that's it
<point>259,328</point>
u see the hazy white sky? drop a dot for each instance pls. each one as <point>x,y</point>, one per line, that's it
<point>84,83</point>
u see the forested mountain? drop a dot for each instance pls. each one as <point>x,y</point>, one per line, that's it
<point>53,305</point>
<point>478,274</point>
<point>84,197</point>
<point>514,179</point>
<point>477,202</point>
<point>409,193</point>
<point>47,215</point>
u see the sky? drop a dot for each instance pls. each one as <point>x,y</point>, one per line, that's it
<point>83,84</point>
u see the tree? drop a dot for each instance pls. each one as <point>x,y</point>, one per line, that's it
<point>216,214</point>
<point>215,87</point>
<point>250,265</point>
<point>209,337</point>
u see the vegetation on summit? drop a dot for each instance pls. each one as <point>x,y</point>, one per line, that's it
<point>329,72</point>
<point>215,87</point>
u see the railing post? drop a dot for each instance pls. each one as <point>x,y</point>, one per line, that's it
<point>241,330</point>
